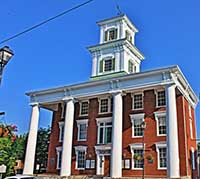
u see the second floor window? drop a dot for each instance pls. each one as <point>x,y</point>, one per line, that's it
<point>82,129</point>
<point>84,108</point>
<point>104,135</point>
<point>137,120</point>
<point>162,125</point>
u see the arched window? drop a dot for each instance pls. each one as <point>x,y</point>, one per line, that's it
<point>110,34</point>
<point>107,64</point>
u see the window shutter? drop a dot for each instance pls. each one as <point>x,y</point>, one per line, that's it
<point>101,66</point>
<point>113,64</point>
<point>105,35</point>
<point>115,34</point>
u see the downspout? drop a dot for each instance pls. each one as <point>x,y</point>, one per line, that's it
<point>185,132</point>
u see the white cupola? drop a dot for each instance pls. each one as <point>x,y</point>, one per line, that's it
<point>116,53</point>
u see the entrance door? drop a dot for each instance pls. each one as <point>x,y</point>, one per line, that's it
<point>100,165</point>
<point>107,166</point>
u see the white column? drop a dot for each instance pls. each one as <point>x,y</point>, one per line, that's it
<point>67,140</point>
<point>94,65</point>
<point>32,139</point>
<point>117,60</point>
<point>173,170</point>
<point>116,151</point>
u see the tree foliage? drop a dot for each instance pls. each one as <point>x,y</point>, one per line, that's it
<point>41,156</point>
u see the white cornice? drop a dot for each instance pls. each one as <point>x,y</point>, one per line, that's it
<point>130,82</point>
<point>118,18</point>
<point>117,43</point>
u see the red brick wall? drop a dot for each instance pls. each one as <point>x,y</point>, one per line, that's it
<point>150,135</point>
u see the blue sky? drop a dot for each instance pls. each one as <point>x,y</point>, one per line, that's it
<point>55,54</point>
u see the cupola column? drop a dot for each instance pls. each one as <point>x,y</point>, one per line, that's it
<point>32,140</point>
<point>173,170</point>
<point>68,136</point>
<point>116,151</point>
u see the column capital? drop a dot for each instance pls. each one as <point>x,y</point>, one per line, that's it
<point>68,98</point>
<point>116,92</point>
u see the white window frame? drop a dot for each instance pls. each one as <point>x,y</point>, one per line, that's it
<point>80,110</point>
<point>135,146</point>
<point>61,130</point>
<point>99,121</point>
<point>157,115</point>
<point>109,105</point>
<point>156,93</point>
<point>191,129</point>
<point>159,146</point>
<point>81,122</point>
<point>138,93</point>
<point>108,35</point>
<point>58,152</point>
<point>133,117</point>
<point>82,149</point>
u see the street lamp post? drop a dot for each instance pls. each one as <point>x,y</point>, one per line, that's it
<point>5,55</point>
<point>143,126</point>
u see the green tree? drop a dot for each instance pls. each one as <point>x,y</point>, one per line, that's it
<point>41,156</point>
<point>6,156</point>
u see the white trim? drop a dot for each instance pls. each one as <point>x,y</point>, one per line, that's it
<point>61,130</point>
<point>80,108</point>
<point>58,152</point>
<point>158,146</point>
<point>137,93</point>
<point>134,117</point>
<point>109,105</point>
<point>80,122</point>
<point>191,128</point>
<point>157,115</point>
<point>156,93</point>
<point>62,110</point>
<point>77,149</point>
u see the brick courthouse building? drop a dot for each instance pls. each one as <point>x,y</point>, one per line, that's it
<point>101,127</point>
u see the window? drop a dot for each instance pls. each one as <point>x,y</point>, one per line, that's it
<point>80,157</point>
<point>104,130</point>
<point>130,66</point>
<point>137,120</point>
<point>161,123</point>
<point>137,155</point>
<point>137,101</point>
<point>161,149</point>
<point>59,157</point>
<point>84,107</point>
<point>160,101</point>
<point>105,105</point>
<point>82,129</point>
<point>110,34</point>
<point>138,163</point>
<point>107,64</point>
<point>128,36</point>
<point>193,158</point>
<point>61,130</point>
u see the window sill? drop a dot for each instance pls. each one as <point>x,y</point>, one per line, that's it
<point>161,135</point>
<point>137,109</point>
<point>81,140</point>
<point>80,168</point>
<point>161,106</point>
<point>162,168</point>
<point>135,137</point>
<point>83,115</point>
<point>137,168</point>
<point>101,113</point>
